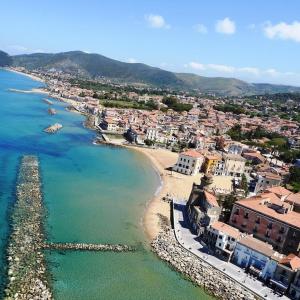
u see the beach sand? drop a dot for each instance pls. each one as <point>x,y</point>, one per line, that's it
<point>174,184</point>
<point>36,78</point>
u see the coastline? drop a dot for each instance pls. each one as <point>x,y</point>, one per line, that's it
<point>36,78</point>
<point>175,185</point>
<point>172,184</point>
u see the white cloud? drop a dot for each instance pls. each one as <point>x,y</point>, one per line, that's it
<point>19,49</point>
<point>132,60</point>
<point>250,70</point>
<point>201,28</point>
<point>156,21</point>
<point>225,26</point>
<point>196,66</point>
<point>272,72</point>
<point>221,68</point>
<point>283,31</point>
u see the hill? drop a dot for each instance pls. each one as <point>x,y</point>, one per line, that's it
<point>5,59</point>
<point>96,65</point>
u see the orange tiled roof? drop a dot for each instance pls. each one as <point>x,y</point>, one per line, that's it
<point>257,204</point>
<point>227,229</point>
<point>192,153</point>
<point>257,245</point>
<point>211,199</point>
<point>291,261</point>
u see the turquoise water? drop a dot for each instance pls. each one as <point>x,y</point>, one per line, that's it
<point>92,194</point>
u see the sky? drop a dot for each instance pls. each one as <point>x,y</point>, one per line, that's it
<point>254,40</point>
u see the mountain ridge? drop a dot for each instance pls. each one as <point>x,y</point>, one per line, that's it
<point>92,65</point>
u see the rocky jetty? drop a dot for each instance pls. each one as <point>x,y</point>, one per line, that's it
<point>48,101</point>
<point>51,111</point>
<point>198,271</point>
<point>88,247</point>
<point>26,271</point>
<point>53,128</point>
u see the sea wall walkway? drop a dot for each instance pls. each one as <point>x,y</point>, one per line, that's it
<point>191,243</point>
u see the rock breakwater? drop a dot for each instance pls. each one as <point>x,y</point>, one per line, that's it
<point>88,247</point>
<point>199,272</point>
<point>26,273</point>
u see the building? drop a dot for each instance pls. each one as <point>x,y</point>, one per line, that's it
<point>230,165</point>
<point>222,238</point>
<point>189,162</point>
<point>235,148</point>
<point>294,291</point>
<point>266,180</point>
<point>152,134</point>
<point>210,164</point>
<point>270,218</point>
<point>255,157</point>
<point>257,257</point>
<point>285,274</point>
<point>202,207</point>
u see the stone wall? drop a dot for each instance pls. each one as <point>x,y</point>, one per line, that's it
<point>202,274</point>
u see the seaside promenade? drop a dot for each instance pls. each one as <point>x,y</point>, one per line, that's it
<point>191,242</point>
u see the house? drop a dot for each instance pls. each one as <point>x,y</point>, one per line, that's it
<point>222,238</point>
<point>211,161</point>
<point>235,148</point>
<point>202,208</point>
<point>266,180</point>
<point>285,273</point>
<point>152,134</point>
<point>270,218</point>
<point>255,157</point>
<point>230,165</point>
<point>189,162</point>
<point>257,257</point>
<point>109,124</point>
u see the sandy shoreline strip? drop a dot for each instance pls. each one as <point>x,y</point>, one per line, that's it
<point>174,184</point>
<point>36,78</point>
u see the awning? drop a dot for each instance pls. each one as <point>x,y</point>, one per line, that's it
<point>279,284</point>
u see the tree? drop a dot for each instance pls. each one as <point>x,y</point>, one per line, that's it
<point>227,205</point>
<point>244,184</point>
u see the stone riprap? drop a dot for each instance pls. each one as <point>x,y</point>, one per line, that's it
<point>200,273</point>
<point>88,247</point>
<point>26,269</point>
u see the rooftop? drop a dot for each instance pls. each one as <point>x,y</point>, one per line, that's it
<point>226,229</point>
<point>257,245</point>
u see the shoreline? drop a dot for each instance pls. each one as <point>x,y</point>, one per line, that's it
<point>34,77</point>
<point>177,185</point>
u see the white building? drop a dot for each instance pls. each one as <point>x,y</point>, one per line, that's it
<point>231,165</point>
<point>152,134</point>
<point>223,238</point>
<point>189,162</point>
<point>256,256</point>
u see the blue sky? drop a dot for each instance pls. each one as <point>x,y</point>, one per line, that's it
<point>255,40</point>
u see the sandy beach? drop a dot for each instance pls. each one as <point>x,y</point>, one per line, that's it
<point>26,74</point>
<point>174,184</point>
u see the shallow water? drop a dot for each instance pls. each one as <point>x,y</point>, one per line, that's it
<point>92,194</point>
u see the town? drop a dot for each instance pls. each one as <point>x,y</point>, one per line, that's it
<point>246,210</point>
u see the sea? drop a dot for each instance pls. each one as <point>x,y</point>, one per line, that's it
<point>92,193</point>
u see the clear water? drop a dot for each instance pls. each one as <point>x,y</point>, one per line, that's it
<point>92,194</point>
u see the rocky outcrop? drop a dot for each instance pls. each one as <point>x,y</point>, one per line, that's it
<point>198,271</point>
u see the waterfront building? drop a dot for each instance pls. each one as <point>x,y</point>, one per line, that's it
<point>295,286</point>
<point>285,273</point>
<point>257,257</point>
<point>222,238</point>
<point>202,207</point>
<point>210,164</point>
<point>270,218</point>
<point>189,162</point>
<point>230,165</point>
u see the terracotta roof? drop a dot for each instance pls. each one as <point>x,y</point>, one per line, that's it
<point>293,198</point>
<point>279,190</point>
<point>211,199</point>
<point>226,229</point>
<point>192,153</point>
<point>257,204</point>
<point>257,245</point>
<point>292,261</point>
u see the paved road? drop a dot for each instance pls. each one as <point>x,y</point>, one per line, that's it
<point>191,242</point>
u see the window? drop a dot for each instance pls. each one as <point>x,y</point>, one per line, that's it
<point>281,230</point>
<point>237,211</point>
<point>270,225</point>
<point>257,221</point>
<point>220,244</point>
<point>279,239</point>
<point>255,229</point>
<point>220,236</point>
<point>246,215</point>
<point>267,235</point>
